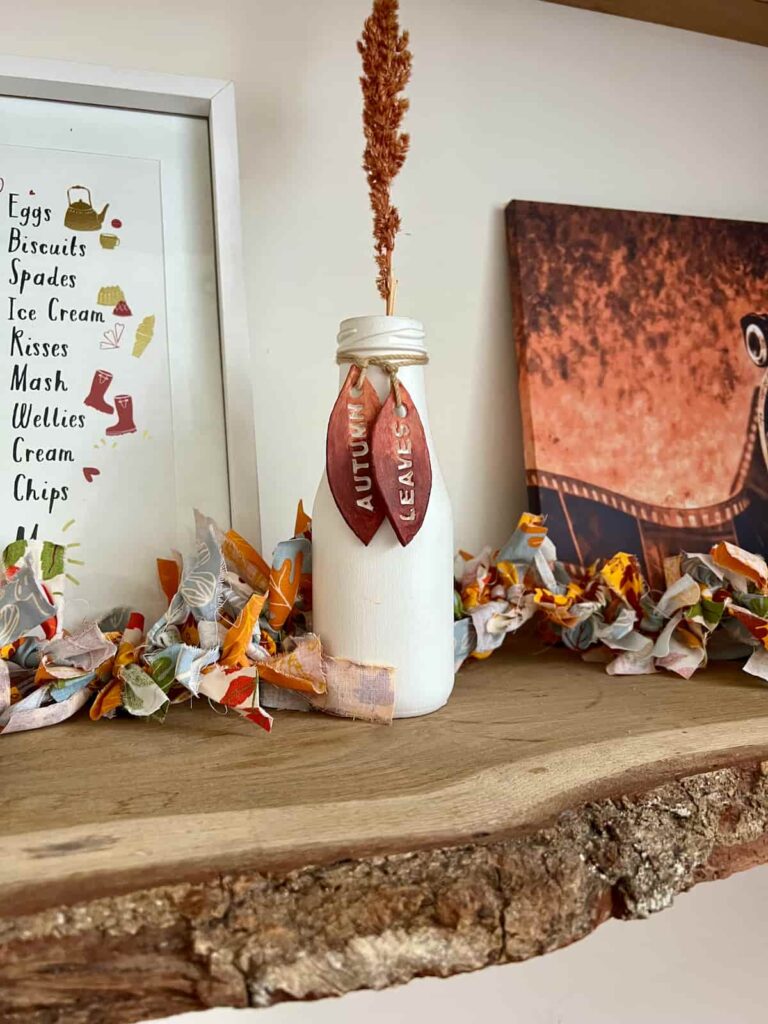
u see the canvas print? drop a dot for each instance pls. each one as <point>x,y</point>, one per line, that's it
<point>642,345</point>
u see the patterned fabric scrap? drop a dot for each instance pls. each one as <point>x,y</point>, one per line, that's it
<point>715,605</point>
<point>232,622</point>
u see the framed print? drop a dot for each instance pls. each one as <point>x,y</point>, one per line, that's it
<point>125,401</point>
<point>642,344</point>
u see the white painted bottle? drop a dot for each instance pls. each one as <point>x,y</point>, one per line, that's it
<point>385,604</point>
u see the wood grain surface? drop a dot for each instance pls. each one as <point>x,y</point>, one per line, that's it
<point>95,809</point>
<point>744,20</point>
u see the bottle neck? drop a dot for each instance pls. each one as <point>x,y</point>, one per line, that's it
<point>380,335</point>
<point>394,339</point>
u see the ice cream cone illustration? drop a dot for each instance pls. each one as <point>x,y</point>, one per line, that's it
<point>125,424</point>
<point>144,334</point>
<point>95,398</point>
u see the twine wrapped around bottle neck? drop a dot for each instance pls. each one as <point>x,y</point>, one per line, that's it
<point>390,364</point>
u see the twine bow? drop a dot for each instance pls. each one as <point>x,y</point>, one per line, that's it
<point>389,364</point>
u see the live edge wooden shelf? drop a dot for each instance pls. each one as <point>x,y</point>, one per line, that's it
<point>149,870</point>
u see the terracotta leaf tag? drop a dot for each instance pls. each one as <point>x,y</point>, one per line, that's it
<point>348,457</point>
<point>401,466</point>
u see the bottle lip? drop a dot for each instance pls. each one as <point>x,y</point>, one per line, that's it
<point>381,333</point>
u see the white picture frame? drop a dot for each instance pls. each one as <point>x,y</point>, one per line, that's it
<point>214,100</point>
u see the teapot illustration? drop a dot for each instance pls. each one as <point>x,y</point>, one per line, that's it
<point>80,215</point>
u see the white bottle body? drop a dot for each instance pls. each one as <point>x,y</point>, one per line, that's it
<point>385,604</point>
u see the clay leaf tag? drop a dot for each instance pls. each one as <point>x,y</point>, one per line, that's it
<point>401,466</point>
<point>348,456</point>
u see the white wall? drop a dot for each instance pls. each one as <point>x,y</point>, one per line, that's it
<point>511,99</point>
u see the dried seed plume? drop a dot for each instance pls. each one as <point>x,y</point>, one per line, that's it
<point>386,72</point>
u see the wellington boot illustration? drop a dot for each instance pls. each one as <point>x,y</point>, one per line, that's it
<point>95,400</point>
<point>125,424</point>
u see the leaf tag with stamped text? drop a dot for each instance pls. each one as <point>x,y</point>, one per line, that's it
<point>401,465</point>
<point>348,461</point>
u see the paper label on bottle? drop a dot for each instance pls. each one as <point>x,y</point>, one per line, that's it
<point>401,465</point>
<point>348,458</point>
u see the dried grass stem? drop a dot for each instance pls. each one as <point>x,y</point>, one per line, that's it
<point>386,71</point>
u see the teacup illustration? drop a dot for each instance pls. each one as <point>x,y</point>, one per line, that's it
<point>109,241</point>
